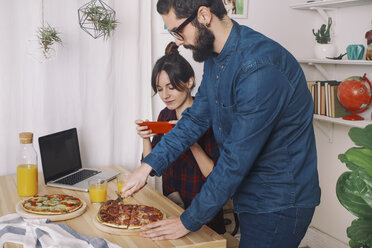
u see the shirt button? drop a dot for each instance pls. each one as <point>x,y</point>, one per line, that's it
<point>216,102</point>
<point>222,66</point>
<point>220,128</point>
<point>218,76</point>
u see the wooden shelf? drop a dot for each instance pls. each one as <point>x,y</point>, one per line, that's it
<point>341,121</point>
<point>330,4</point>
<point>335,62</point>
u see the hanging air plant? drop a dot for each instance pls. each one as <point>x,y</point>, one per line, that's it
<point>47,37</point>
<point>97,19</point>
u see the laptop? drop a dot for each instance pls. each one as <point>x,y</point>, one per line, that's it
<point>61,162</point>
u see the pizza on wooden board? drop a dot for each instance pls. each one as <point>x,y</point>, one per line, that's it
<point>127,216</point>
<point>52,204</point>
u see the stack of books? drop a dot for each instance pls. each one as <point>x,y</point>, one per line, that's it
<point>325,99</point>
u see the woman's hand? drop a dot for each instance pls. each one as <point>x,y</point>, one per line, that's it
<point>142,130</point>
<point>136,180</point>
<point>170,228</point>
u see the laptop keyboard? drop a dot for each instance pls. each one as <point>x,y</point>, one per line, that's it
<point>77,177</point>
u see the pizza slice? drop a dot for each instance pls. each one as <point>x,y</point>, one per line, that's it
<point>142,215</point>
<point>115,214</point>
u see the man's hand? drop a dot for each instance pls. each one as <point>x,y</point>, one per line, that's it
<point>170,228</point>
<point>136,180</point>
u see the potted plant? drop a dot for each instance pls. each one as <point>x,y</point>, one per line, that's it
<point>97,19</point>
<point>354,188</point>
<point>48,37</point>
<point>324,48</point>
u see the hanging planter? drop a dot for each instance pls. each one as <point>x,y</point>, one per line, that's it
<point>97,19</point>
<point>48,37</point>
<point>45,46</point>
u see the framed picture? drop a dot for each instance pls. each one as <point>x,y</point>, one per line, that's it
<point>236,8</point>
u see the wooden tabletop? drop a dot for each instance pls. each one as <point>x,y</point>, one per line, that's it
<point>204,238</point>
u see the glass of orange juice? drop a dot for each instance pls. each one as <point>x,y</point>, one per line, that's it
<point>97,190</point>
<point>120,180</point>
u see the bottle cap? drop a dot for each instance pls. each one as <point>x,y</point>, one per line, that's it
<point>26,137</point>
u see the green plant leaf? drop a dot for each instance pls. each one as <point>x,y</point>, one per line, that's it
<point>361,157</point>
<point>355,244</point>
<point>349,191</point>
<point>360,233</point>
<point>101,20</point>
<point>362,136</point>
<point>47,37</point>
<point>342,157</point>
<point>322,36</point>
<point>365,186</point>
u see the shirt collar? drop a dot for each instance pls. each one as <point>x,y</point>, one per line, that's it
<point>230,45</point>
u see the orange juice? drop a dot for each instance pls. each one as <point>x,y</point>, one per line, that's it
<point>97,193</point>
<point>120,185</point>
<point>27,180</point>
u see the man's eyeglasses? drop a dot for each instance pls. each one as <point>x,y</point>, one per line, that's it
<point>176,33</point>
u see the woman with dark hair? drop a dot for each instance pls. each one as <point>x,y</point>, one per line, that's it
<point>173,79</point>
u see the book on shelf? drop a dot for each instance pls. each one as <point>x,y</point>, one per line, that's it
<point>312,88</point>
<point>337,110</point>
<point>324,94</point>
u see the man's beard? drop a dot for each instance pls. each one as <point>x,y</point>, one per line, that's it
<point>204,44</point>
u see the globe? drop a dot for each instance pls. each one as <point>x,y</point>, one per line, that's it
<point>354,93</point>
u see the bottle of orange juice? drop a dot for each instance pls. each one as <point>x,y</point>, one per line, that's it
<point>27,180</point>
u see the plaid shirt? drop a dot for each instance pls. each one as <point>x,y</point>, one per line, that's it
<point>184,175</point>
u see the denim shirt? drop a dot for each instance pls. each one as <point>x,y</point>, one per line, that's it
<point>255,97</point>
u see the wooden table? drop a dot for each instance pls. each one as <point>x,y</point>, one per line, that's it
<point>205,237</point>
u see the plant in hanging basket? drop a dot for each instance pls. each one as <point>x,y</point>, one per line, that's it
<point>97,19</point>
<point>47,37</point>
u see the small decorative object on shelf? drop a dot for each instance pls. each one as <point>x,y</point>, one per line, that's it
<point>355,52</point>
<point>354,93</point>
<point>339,57</point>
<point>369,45</point>
<point>353,188</point>
<point>324,48</point>
<point>97,19</point>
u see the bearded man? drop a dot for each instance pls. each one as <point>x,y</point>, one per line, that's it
<point>254,96</point>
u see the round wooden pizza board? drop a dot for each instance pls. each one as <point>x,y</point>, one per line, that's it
<point>113,230</point>
<point>117,231</point>
<point>52,217</point>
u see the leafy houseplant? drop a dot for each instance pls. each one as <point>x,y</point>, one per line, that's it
<point>47,37</point>
<point>354,188</point>
<point>323,36</point>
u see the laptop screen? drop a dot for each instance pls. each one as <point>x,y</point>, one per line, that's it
<point>59,154</point>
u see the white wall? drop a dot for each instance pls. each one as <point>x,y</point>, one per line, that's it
<point>293,29</point>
